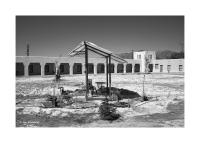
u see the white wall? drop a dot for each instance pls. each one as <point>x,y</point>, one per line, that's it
<point>71,60</point>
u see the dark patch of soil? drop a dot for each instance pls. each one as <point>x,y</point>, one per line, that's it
<point>176,112</point>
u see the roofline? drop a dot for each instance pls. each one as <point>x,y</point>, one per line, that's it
<point>96,49</point>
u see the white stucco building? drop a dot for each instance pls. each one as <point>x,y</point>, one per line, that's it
<point>35,65</point>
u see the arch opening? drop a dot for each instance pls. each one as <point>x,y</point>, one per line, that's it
<point>34,69</point>
<point>120,68</point>
<point>100,68</point>
<point>64,68</point>
<point>137,68</point>
<point>49,69</point>
<point>19,69</point>
<point>129,68</point>
<point>77,68</point>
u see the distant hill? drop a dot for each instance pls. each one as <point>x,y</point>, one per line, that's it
<point>126,55</point>
<point>167,54</point>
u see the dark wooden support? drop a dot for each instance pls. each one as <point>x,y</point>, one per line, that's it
<point>86,71</point>
<point>109,57</point>
<point>107,75</point>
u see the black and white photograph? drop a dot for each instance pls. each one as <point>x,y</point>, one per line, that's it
<point>99,71</point>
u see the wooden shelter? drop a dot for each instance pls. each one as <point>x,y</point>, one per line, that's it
<point>83,48</point>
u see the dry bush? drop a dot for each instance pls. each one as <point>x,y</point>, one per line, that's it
<point>108,112</point>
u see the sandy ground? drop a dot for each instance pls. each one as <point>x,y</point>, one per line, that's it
<point>166,109</point>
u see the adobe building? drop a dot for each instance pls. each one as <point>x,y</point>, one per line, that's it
<point>44,66</point>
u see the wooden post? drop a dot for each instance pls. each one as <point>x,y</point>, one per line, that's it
<point>27,50</point>
<point>109,75</point>
<point>86,70</point>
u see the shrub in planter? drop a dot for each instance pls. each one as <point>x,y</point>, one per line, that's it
<point>108,112</point>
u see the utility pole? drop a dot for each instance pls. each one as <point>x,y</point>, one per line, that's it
<point>27,50</point>
<point>107,70</point>
<point>86,70</point>
<point>109,67</point>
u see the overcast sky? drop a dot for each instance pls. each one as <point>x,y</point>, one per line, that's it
<point>57,35</point>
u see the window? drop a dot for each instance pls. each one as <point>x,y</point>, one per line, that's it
<point>150,56</point>
<point>180,67</point>
<point>139,56</point>
<point>168,68</point>
<point>156,66</point>
<point>161,68</point>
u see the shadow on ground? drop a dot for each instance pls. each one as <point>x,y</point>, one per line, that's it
<point>73,120</point>
<point>176,112</point>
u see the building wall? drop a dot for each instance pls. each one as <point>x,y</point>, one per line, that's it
<point>95,61</point>
<point>174,65</point>
<point>151,55</point>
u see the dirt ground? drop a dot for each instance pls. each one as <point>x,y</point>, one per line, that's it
<point>165,110</point>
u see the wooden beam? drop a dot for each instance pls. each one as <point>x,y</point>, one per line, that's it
<point>109,57</point>
<point>107,75</point>
<point>86,71</point>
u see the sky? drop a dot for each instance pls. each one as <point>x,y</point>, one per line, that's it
<point>57,35</point>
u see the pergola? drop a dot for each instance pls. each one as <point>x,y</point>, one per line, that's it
<point>86,46</point>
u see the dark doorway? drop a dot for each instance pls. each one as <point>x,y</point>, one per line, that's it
<point>129,68</point>
<point>64,68</point>
<point>161,68</point>
<point>120,68</point>
<point>137,68</point>
<point>34,69</point>
<point>90,68</point>
<point>150,67</point>
<point>49,69</point>
<point>77,68</point>
<point>19,69</point>
<point>168,68</point>
<point>100,68</point>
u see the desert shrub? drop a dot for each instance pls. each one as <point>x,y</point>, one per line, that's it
<point>145,98</point>
<point>108,112</point>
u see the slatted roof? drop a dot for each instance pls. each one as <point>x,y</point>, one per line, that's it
<point>80,49</point>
